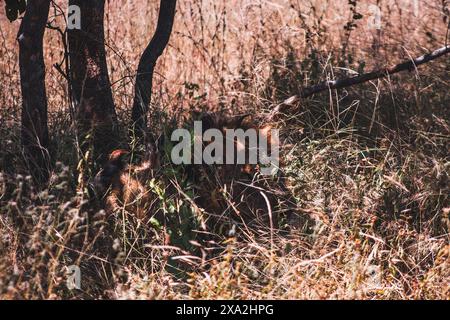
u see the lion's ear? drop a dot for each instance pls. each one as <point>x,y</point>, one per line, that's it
<point>118,154</point>
<point>209,121</point>
<point>241,120</point>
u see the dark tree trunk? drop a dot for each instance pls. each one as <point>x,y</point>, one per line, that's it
<point>89,79</point>
<point>144,78</point>
<point>35,139</point>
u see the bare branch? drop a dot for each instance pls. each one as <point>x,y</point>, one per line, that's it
<point>378,74</point>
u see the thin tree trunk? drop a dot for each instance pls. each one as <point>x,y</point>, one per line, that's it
<point>147,63</point>
<point>89,79</point>
<point>35,138</point>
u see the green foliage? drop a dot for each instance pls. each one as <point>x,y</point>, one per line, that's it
<point>14,8</point>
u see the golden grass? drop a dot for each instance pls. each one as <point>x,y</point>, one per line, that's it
<point>368,165</point>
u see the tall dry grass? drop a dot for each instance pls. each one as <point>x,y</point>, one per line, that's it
<point>369,166</point>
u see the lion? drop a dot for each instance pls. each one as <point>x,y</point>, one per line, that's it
<point>233,193</point>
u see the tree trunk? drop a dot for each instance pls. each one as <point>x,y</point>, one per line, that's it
<point>89,80</point>
<point>35,138</point>
<point>144,78</point>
